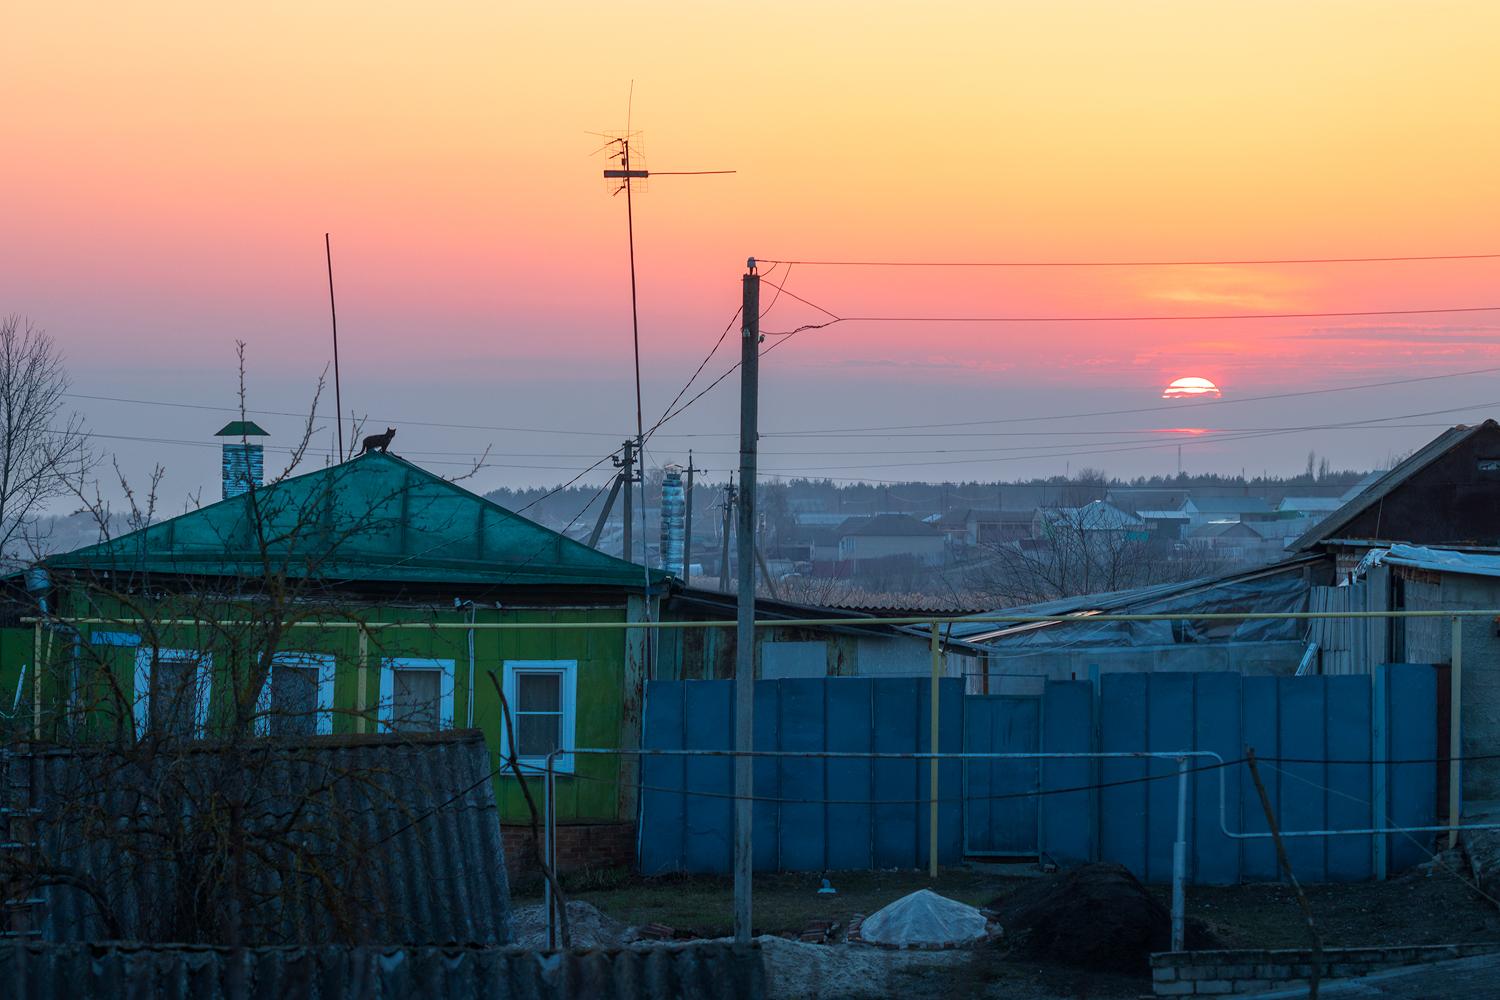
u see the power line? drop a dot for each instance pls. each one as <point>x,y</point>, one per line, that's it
<point>1142,409</point>
<point>1141,319</point>
<point>303,415</point>
<point>1129,263</point>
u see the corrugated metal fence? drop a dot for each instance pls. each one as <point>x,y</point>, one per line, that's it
<point>179,972</point>
<point>1343,643</point>
<point>867,715</point>
<point>1320,738</point>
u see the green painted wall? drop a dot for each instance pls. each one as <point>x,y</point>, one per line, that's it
<point>592,794</point>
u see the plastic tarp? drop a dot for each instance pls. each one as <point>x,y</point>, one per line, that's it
<point>1268,594</point>
<point>923,918</point>
<point>1476,564</point>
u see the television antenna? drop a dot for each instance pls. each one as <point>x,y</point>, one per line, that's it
<point>627,173</point>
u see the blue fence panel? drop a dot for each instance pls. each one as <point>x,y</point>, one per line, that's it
<point>709,842</point>
<point>1262,732</point>
<point>1314,735</point>
<point>1123,808</point>
<point>950,772</point>
<point>1067,818</point>
<point>995,823</point>
<point>801,727</point>
<point>850,827</point>
<point>895,719</point>
<point>1411,789</point>
<point>1350,789</point>
<point>1218,711</point>
<point>1304,736</point>
<point>765,817</point>
<point>1171,728</point>
<point>795,826</point>
<point>661,827</point>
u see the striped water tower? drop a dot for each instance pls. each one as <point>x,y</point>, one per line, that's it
<point>244,463</point>
<point>673,522</point>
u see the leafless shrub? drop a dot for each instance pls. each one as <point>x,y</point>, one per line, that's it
<point>1083,550</point>
<point>38,453</point>
<point>201,801</point>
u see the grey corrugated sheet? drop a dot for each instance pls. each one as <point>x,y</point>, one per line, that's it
<point>430,862</point>
<point>708,971</point>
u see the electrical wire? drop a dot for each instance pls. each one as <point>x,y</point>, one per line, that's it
<point>1143,319</point>
<point>1034,793</point>
<point>1142,409</point>
<point>284,413</point>
<point>1130,263</point>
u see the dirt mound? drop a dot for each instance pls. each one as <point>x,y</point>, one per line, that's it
<point>1095,916</point>
<point>589,928</point>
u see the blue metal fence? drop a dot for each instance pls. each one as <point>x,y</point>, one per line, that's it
<point>1320,739</point>
<point>878,817</point>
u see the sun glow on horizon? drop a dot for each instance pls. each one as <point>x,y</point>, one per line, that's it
<point>1190,388</point>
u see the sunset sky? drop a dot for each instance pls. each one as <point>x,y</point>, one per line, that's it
<point>169,171</point>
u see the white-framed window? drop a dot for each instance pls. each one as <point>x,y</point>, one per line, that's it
<point>173,688</point>
<point>416,695</point>
<point>543,700</point>
<point>297,699</point>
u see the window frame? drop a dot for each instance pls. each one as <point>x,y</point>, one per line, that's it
<point>387,703</point>
<point>203,681</point>
<point>563,763</point>
<point>326,666</point>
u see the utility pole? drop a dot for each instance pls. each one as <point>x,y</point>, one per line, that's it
<point>724,557</point>
<point>744,661</point>
<point>687,524</point>
<point>626,465</point>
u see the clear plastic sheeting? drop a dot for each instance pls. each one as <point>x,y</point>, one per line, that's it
<point>1258,592</point>
<point>924,920</point>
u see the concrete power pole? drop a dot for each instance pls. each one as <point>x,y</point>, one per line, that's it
<point>728,526</point>
<point>744,661</point>
<point>687,533</point>
<point>627,477</point>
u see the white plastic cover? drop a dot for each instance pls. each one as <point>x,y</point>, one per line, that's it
<point>923,918</point>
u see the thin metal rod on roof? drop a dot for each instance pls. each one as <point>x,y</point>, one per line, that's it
<point>338,405</point>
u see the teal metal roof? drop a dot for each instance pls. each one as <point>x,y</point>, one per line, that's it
<point>242,428</point>
<point>374,518</point>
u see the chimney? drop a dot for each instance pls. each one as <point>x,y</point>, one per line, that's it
<point>244,463</point>
<point>673,520</point>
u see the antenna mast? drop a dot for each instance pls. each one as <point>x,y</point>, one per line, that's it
<point>338,405</point>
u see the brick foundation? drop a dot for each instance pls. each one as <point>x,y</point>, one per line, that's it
<point>1197,973</point>
<point>580,846</point>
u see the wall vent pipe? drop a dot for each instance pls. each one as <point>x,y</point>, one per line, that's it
<point>244,463</point>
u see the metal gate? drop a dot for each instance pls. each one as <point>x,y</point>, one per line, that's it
<point>1000,811</point>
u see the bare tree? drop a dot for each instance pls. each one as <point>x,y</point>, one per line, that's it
<point>206,807</point>
<point>36,452</point>
<point>1093,549</point>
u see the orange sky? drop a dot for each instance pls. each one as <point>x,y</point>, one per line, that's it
<point>170,170</point>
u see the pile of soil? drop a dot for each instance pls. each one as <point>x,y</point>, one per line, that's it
<point>1094,916</point>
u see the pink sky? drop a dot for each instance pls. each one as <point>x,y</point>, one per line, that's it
<point>171,170</point>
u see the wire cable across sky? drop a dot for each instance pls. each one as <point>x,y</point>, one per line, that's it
<point>1126,263</point>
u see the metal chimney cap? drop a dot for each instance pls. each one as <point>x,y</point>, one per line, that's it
<point>242,428</point>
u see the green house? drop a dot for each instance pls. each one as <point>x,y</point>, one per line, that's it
<point>354,599</point>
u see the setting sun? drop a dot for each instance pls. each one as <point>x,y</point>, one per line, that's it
<point>1187,388</point>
